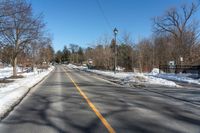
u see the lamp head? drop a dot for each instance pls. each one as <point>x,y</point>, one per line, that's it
<point>115,31</point>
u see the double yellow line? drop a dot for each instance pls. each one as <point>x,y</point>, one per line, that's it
<point>96,111</point>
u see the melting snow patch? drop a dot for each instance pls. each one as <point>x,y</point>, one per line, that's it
<point>144,79</point>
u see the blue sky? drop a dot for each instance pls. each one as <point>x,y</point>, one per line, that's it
<point>82,22</point>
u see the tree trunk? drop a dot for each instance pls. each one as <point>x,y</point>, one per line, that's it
<point>15,67</point>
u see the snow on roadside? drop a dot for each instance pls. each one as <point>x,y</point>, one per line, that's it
<point>130,77</point>
<point>145,79</point>
<point>178,77</point>
<point>11,93</point>
<point>7,72</point>
<point>175,77</point>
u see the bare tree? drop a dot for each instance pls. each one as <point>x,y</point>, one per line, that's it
<point>19,27</point>
<point>5,54</point>
<point>178,23</point>
<point>162,48</point>
<point>146,55</point>
<point>74,52</point>
<point>46,52</point>
<point>58,56</point>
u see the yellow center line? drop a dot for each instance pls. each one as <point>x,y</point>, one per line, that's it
<point>96,111</point>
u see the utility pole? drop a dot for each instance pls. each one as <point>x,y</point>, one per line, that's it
<point>115,31</point>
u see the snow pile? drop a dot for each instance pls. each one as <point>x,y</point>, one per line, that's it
<point>144,79</point>
<point>181,77</point>
<point>156,71</point>
<point>139,78</point>
<point>120,69</point>
<point>130,77</point>
<point>7,72</point>
<point>12,93</point>
<point>178,77</point>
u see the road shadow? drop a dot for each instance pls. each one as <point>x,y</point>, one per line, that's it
<point>64,112</point>
<point>138,110</point>
<point>127,110</point>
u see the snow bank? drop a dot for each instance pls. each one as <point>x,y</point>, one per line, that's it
<point>178,77</point>
<point>181,77</point>
<point>156,71</point>
<point>144,79</point>
<point>7,72</point>
<point>130,77</point>
<point>12,93</point>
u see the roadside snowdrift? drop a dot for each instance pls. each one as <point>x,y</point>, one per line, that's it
<point>181,77</point>
<point>12,93</point>
<point>129,77</point>
<point>7,72</point>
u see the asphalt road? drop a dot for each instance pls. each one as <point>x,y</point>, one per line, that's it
<point>75,102</point>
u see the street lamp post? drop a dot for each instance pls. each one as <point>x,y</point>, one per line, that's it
<point>115,50</point>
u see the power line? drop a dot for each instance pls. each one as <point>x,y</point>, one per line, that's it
<point>105,18</point>
<point>103,14</point>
